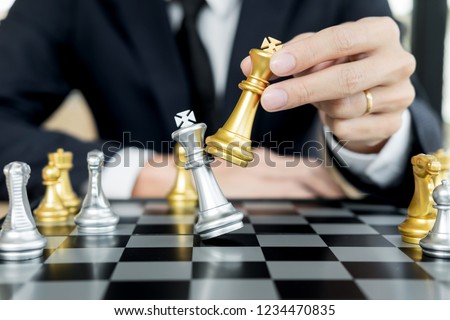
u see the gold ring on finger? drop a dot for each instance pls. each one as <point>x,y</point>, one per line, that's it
<point>369,100</point>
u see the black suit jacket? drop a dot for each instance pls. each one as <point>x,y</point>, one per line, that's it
<point>121,54</point>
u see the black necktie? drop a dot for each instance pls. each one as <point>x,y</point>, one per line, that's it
<point>196,62</point>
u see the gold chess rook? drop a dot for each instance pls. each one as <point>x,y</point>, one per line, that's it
<point>63,161</point>
<point>232,142</point>
<point>421,213</point>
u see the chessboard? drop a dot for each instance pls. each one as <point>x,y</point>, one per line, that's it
<point>286,250</point>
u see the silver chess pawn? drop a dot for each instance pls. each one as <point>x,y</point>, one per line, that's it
<point>437,242</point>
<point>19,237</point>
<point>217,216</point>
<point>96,215</point>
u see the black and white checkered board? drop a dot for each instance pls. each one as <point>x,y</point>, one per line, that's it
<point>286,250</point>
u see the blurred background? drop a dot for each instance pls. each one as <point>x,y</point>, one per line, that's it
<point>426,25</point>
<point>74,116</point>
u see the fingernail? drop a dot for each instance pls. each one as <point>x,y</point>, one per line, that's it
<point>282,63</point>
<point>246,65</point>
<point>274,99</point>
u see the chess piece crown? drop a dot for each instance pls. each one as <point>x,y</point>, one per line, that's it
<point>63,160</point>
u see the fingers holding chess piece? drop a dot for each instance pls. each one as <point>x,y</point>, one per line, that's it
<point>19,237</point>
<point>51,208</point>
<point>63,161</point>
<point>437,242</point>
<point>96,215</point>
<point>421,213</point>
<point>183,196</point>
<point>232,142</point>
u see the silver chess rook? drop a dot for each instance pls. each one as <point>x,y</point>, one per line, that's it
<point>217,216</point>
<point>437,242</point>
<point>96,215</point>
<point>19,237</point>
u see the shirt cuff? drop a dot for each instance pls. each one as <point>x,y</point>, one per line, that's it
<point>382,168</point>
<point>119,175</point>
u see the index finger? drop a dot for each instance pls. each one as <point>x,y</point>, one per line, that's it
<point>335,42</point>
<point>246,63</point>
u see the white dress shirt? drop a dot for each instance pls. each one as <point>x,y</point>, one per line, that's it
<point>217,24</point>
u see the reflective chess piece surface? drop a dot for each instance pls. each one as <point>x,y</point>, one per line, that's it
<point>183,194</point>
<point>96,215</point>
<point>19,237</point>
<point>437,242</point>
<point>217,216</point>
<point>232,142</point>
<point>63,161</point>
<point>51,207</point>
<point>421,213</point>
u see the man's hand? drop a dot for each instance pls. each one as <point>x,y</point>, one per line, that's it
<point>332,68</point>
<point>269,176</point>
<point>156,178</point>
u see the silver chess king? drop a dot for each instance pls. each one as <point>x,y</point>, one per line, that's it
<point>216,215</point>
<point>19,237</point>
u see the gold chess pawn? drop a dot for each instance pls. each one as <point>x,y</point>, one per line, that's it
<point>51,208</point>
<point>63,161</point>
<point>232,142</point>
<point>421,214</point>
<point>183,197</point>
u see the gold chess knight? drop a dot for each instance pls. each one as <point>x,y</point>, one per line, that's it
<point>232,142</point>
<point>421,213</point>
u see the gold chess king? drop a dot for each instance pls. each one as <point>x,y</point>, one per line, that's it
<point>232,142</point>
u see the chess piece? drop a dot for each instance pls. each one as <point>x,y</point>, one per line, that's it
<point>437,242</point>
<point>96,215</point>
<point>183,194</point>
<point>63,161</point>
<point>51,208</point>
<point>232,142</point>
<point>217,216</point>
<point>444,159</point>
<point>19,237</point>
<point>421,214</point>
